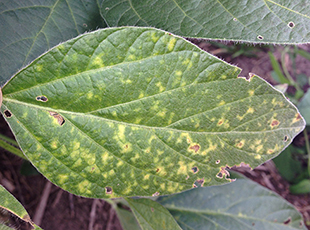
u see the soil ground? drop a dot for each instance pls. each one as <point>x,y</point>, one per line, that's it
<point>65,211</point>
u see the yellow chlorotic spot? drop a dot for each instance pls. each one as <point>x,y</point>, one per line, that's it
<point>251,92</point>
<point>296,118</point>
<point>171,44</point>
<point>62,178</point>
<point>105,157</point>
<point>138,120</point>
<point>186,62</point>
<point>154,37</point>
<point>223,77</point>
<point>219,96</point>
<point>39,68</point>
<point>98,62</point>
<point>221,103</point>
<point>145,187</point>
<point>121,132</point>
<point>161,62</point>
<point>211,147</point>
<point>250,110</point>
<point>153,137</point>
<point>120,163</point>
<point>77,163</point>
<point>257,142</point>
<point>131,57</point>
<point>240,144</point>
<point>187,136</point>
<point>183,168</point>
<point>197,125</point>
<point>135,157</point>
<point>258,157</point>
<point>83,186</point>
<point>160,152</point>
<point>178,73</point>
<point>146,177</point>
<point>259,148</point>
<point>162,113</point>
<point>155,159</point>
<point>114,114</point>
<point>126,148</point>
<point>162,186</point>
<point>270,151</point>
<point>111,172</point>
<point>54,145</point>
<point>160,86</point>
<point>127,190</point>
<point>76,145</point>
<point>141,95</point>
<point>148,150</point>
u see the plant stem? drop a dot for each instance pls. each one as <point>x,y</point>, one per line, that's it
<point>287,74</point>
<point>307,148</point>
<point>12,149</point>
<point>9,140</point>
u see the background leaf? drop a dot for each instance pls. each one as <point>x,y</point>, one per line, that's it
<point>304,106</point>
<point>140,112</point>
<point>242,204</point>
<point>12,213</point>
<point>151,215</point>
<point>280,21</point>
<point>30,27</point>
<point>127,219</point>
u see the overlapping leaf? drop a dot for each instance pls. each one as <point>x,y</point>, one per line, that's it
<point>12,213</point>
<point>275,21</point>
<point>242,204</point>
<point>30,27</point>
<point>140,112</point>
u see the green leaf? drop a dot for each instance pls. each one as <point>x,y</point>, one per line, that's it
<point>33,26</point>
<point>140,112</point>
<point>304,107</point>
<point>242,204</point>
<point>151,215</point>
<point>282,21</point>
<point>302,187</point>
<point>127,219</point>
<point>12,213</point>
<point>288,167</point>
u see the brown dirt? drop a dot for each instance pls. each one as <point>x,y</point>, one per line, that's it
<point>65,211</point>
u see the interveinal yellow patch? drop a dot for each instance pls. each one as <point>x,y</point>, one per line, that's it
<point>178,73</point>
<point>39,67</point>
<point>258,157</point>
<point>154,37</point>
<point>221,103</point>
<point>97,62</point>
<point>259,148</point>
<point>131,57</point>
<point>171,43</point>
<point>183,168</point>
<point>240,143</point>
<point>162,113</point>
<point>146,177</point>
<point>251,92</point>
<point>210,148</point>
<point>83,186</point>
<point>119,163</point>
<point>62,178</point>
<point>54,145</point>
<point>141,95</point>
<point>121,132</point>
<point>160,87</point>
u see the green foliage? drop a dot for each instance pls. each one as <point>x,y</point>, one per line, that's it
<point>132,111</point>
<point>110,126</point>
<point>252,21</point>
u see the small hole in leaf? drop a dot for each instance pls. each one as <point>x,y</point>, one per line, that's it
<point>291,24</point>
<point>285,138</point>
<point>59,118</point>
<point>156,194</point>
<point>235,19</point>
<point>7,113</point>
<point>41,98</point>
<point>217,162</point>
<point>84,24</point>
<point>260,37</point>
<point>108,190</point>
<point>152,209</point>
<point>195,169</point>
<point>199,183</point>
<point>287,221</point>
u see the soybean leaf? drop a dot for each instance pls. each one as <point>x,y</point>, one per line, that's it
<point>151,215</point>
<point>304,106</point>
<point>139,112</point>
<point>12,213</point>
<point>242,204</point>
<point>270,21</point>
<point>127,219</point>
<point>30,27</point>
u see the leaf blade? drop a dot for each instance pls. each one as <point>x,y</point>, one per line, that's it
<point>142,92</point>
<point>249,21</point>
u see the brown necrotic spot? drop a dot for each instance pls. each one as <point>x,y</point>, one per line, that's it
<point>287,221</point>
<point>108,190</point>
<point>155,194</point>
<point>157,170</point>
<point>274,123</point>
<point>223,173</point>
<point>42,98</point>
<point>285,138</point>
<point>260,37</point>
<point>291,24</point>
<point>59,118</point>
<point>199,182</point>
<point>195,169</point>
<point>194,147</point>
<point>7,113</point>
